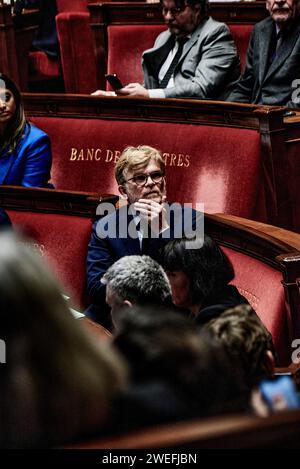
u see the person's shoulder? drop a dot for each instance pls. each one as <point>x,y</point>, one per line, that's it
<point>260,26</point>
<point>35,132</point>
<point>163,35</point>
<point>212,24</point>
<point>161,39</point>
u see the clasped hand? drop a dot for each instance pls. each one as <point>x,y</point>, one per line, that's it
<point>153,213</point>
<point>133,89</point>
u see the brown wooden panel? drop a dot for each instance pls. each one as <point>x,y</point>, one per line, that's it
<point>52,201</point>
<point>281,430</point>
<point>150,13</point>
<point>251,116</point>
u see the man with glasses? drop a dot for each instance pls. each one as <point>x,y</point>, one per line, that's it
<point>195,58</point>
<point>142,226</point>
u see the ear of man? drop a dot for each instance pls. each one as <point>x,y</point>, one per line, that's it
<point>123,192</point>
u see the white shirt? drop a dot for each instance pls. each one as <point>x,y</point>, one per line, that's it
<point>159,92</point>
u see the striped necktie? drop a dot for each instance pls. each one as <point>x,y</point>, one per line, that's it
<point>164,82</point>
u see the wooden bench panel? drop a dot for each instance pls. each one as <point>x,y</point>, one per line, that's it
<point>281,430</point>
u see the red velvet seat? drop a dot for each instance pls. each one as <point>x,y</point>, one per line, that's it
<point>41,66</point>
<point>266,261</point>
<point>241,35</point>
<point>261,285</point>
<point>125,47</point>
<point>62,240</point>
<point>78,60</point>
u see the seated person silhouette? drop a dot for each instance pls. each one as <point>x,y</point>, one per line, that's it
<point>199,274</point>
<point>246,339</point>
<point>135,280</point>
<point>195,58</point>
<point>271,74</point>
<point>142,225</point>
<point>25,150</point>
<point>176,374</point>
<point>56,384</point>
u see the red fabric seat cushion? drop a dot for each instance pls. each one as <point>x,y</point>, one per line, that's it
<point>241,35</point>
<point>219,166</point>
<point>41,66</point>
<point>126,45</point>
<point>261,285</point>
<point>62,240</point>
<point>77,55</point>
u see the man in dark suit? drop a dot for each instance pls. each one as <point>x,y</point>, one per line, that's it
<point>194,58</point>
<point>142,226</point>
<point>272,68</point>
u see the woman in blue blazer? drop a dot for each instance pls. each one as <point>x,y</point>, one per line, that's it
<point>25,150</point>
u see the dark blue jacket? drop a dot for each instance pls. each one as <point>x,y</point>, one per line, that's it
<point>30,163</point>
<point>109,242</point>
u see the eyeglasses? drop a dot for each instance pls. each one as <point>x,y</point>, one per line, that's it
<point>173,11</point>
<point>141,179</point>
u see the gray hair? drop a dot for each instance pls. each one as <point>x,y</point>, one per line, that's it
<point>139,279</point>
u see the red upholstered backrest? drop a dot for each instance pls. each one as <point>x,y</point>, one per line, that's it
<point>241,35</point>
<point>219,166</point>
<point>261,285</point>
<point>78,59</point>
<point>42,67</point>
<point>63,241</point>
<point>125,47</point>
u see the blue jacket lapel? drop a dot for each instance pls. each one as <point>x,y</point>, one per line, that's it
<point>6,160</point>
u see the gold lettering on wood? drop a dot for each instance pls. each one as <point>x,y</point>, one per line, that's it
<point>171,159</point>
<point>108,155</point>
<point>98,154</point>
